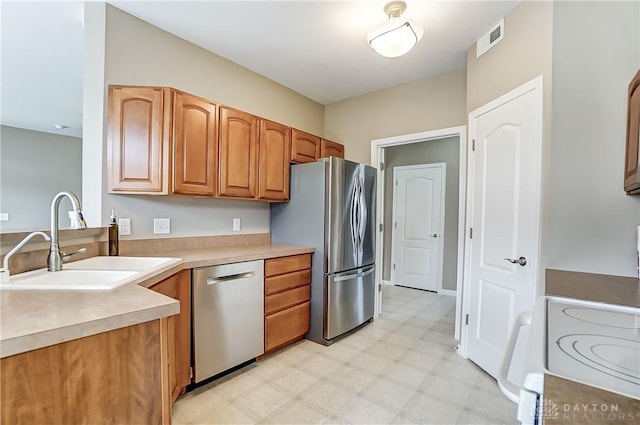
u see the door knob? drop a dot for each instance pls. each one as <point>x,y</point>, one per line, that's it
<point>435,235</point>
<point>522,261</point>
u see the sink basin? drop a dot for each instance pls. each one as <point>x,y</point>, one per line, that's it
<point>71,279</point>
<point>95,273</point>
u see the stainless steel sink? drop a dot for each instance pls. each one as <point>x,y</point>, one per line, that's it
<point>95,273</point>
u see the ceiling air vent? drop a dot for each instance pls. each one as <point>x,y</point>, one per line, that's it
<point>491,38</point>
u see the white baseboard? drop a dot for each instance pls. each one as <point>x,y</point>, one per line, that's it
<point>449,292</point>
<point>387,282</point>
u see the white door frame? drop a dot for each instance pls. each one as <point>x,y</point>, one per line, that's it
<point>535,84</point>
<point>377,156</point>
<point>443,168</point>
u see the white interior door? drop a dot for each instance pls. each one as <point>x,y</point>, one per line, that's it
<point>418,215</point>
<point>504,219</point>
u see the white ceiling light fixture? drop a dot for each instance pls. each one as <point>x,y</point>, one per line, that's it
<point>397,36</point>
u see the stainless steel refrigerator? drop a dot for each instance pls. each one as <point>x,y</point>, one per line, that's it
<point>332,208</point>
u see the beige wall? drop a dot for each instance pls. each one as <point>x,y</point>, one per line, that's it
<point>592,221</point>
<point>445,150</point>
<point>427,104</point>
<point>140,54</point>
<point>524,53</point>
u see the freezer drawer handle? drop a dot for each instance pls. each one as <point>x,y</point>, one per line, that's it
<point>352,276</point>
<point>212,280</point>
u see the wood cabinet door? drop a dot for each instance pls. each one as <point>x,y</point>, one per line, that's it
<point>305,147</point>
<point>237,153</point>
<point>195,141</point>
<point>178,287</point>
<point>329,148</point>
<point>138,140</point>
<point>114,377</point>
<point>274,153</point>
<point>631,175</point>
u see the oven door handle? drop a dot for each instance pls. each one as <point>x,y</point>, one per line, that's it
<point>508,388</point>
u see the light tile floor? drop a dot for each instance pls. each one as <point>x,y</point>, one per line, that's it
<point>400,369</point>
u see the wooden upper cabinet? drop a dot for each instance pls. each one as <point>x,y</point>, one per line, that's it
<point>275,151</point>
<point>237,153</point>
<point>631,174</point>
<point>195,143</point>
<point>305,147</point>
<point>138,142</point>
<point>329,148</point>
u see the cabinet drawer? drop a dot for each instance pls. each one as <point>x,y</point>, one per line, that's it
<point>281,265</point>
<point>287,281</point>
<point>286,325</point>
<point>277,302</point>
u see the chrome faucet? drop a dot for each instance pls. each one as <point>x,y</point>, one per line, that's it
<point>56,257</point>
<point>5,276</point>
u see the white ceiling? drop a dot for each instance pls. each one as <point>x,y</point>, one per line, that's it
<point>316,48</point>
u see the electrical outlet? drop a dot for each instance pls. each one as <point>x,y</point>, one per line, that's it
<point>236,224</point>
<point>124,226</point>
<point>4,216</point>
<point>161,226</point>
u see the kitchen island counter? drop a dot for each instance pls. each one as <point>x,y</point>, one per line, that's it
<point>32,319</point>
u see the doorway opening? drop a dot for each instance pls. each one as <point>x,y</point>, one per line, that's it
<point>446,146</point>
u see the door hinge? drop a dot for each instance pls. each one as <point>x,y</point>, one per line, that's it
<point>382,166</point>
<point>381,227</point>
<point>466,320</point>
<point>473,145</point>
<point>190,372</point>
<point>395,224</point>
<point>379,287</point>
<point>394,267</point>
<point>470,232</point>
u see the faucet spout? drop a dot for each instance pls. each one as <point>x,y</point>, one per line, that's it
<point>4,272</point>
<point>54,261</point>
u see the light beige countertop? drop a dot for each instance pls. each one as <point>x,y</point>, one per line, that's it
<point>32,319</point>
<point>203,257</point>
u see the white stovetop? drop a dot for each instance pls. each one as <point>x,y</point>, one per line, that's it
<point>595,344</point>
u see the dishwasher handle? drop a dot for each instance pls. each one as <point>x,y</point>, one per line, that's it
<point>508,388</point>
<point>212,280</point>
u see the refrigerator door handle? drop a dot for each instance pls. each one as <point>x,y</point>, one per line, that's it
<point>354,219</point>
<point>354,275</point>
<point>362,223</point>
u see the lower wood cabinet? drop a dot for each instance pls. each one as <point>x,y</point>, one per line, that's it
<point>178,287</point>
<point>114,377</point>
<point>287,289</point>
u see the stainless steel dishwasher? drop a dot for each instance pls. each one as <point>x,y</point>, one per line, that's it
<point>228,316</point>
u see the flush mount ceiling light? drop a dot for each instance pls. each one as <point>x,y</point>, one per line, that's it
<point>395,37</point>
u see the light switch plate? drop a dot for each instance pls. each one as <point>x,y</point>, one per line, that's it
<point>124,226</point>
<point>161,226</point>
<point>236,224</point>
